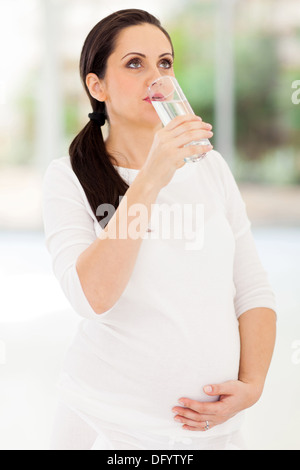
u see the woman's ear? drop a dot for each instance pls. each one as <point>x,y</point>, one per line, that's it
<point>95,86</point>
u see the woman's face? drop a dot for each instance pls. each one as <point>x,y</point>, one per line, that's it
<point>142,54</point>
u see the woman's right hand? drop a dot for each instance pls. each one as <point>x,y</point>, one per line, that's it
<point>167,152</point>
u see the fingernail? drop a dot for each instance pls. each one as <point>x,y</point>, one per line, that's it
<point>181,402</point>
<point>208,389</point>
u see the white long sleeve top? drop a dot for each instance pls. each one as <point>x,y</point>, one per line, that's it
<point>175,327</point>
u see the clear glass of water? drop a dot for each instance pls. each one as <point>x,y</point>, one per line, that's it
<point>169,101</point>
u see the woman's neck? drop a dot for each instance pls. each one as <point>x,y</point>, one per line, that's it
<point>130,147</point>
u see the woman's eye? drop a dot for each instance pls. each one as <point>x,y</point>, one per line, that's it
<point>166,64</point>
<point>134,64</point>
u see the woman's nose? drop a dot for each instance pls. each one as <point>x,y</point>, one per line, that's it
<point>153,76</point>
<point>156,71</point>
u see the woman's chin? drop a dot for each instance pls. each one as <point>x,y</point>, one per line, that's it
<point>150,120</point>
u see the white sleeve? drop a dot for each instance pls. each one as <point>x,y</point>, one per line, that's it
<point>250,278</point>
<point>69,230</point>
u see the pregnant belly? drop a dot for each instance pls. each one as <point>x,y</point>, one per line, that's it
<point>153,369</point>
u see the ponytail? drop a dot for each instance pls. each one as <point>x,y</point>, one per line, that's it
<point>94,168</point>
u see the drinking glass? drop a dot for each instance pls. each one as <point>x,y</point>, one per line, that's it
<point>169,101</point>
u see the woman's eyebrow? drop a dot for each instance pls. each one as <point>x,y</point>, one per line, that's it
<point>143,55</point>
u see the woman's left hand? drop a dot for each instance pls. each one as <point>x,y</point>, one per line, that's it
<point>235,396</point>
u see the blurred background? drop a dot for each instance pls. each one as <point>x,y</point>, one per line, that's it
<point>238,62</point>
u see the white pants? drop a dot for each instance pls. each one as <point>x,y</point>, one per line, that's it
<point>72,431</point>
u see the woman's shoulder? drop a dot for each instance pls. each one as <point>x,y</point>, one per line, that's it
<point>61,169</point>
<point>221,169</point>
<point>59,174</point>
<point>217,161</point>
<point>61,183</point>
<point>62,163</point>
<point>215,167</point>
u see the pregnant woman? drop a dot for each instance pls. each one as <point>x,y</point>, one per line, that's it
<point>158,257</point>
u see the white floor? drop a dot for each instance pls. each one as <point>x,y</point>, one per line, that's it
<point>36,326</point>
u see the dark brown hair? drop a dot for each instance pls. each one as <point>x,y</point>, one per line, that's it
<point>90,161</point>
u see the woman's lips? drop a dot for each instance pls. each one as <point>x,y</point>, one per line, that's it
<point>157,97</point>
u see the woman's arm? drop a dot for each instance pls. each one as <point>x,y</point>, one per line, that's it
<point>257,333</point>
<point>105,267</point>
